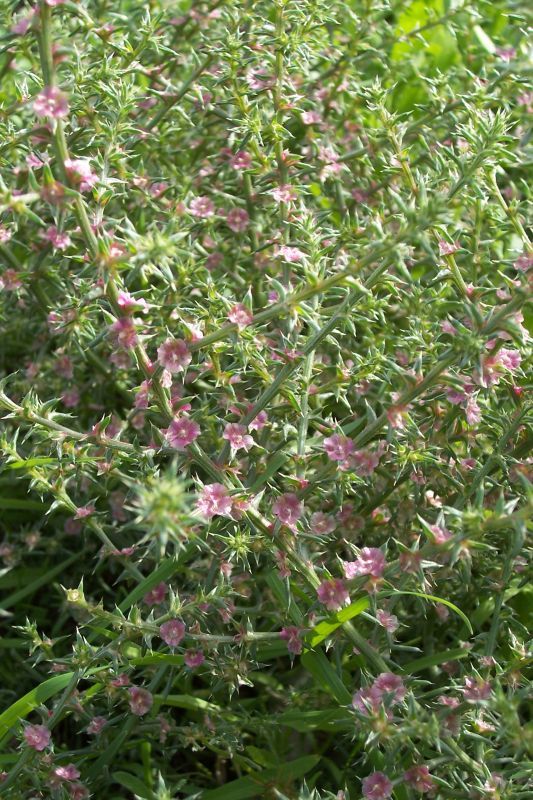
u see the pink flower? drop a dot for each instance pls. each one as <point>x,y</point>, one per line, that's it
<point>419,778</point>
<point>291,254</point>
<point>57,239</point>
<point>440,535</point>
<point>157,595</point>
<point>390,686</point>
<point>288,509</point>
<point>377,786</point>
<point>241,160</point>
<point>182,432</point>
<point>37,736</point>
<point>141,701</point>
<point>202,207</point>
<point>259,422</point>
<point>476,690</point>
<point>387,621</point>
<point>214,499</point>
<point>472,411</point>
<point>67,773</point>
<point>172,632</point>
<point>51,102</point>
<point>23,24</point>
<point>291,635</point>
<point>96,725</point>
<point>79,173</point>
<point>371,561</point>
<point>284,193</point>
<point>338,447</point>
<point>9,280</point>
<point>333,594</point>
<point>311,117</point>
<point>447,248</point>
<point>510,359</point>
<point>174,355</point>
<point>322,524</point>
<point>194,658</point>
<point>237,436</point>
<point>240,315</point>
<point>524,263</point>
<point>78,791</point>
<point>125,333</point>
<point>367,700</point>
<point>238,220</point>
<point>364,462</point>
<point>121,680</point>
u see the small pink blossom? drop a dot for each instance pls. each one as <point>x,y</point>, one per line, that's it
<point>241,160</point>
<point>377,786</point>
<point>333,594</point>
<point>311,117</point>
<point>238,220</point>
<point>288,509</point>
<point>418,778</point>
<point>472,411</point>
<point>37,736</point>
<point>338,447</point>
<point>194,658</point>
<point>120,680</point>
<point>174,355</point>
<point>10,280</point>
<point>67,773</point>
<point>61,241</point>
<point>141,701</point>
<point>390,686</point>
<point>240,315</point>
<point>284,193</point>
<point>202,207</point>
<point>125,333</point>
<point>371,561</point>
<point>22,25</point>
<point>96,725</point>
<point>78,791</point>
<point>237,436</point>
<point>157,595</point>
<point>291,634</point>
<point>259,422</point>
<point>476,689</point>
<point>448,248</point>
<point>387,621</point>
<point>322,524</point>
<point>367,700</point>
<point>79,173</point>
<point>363,462</point>
<point>291,254</point>
<point>172,632</point>
<point>182,432</point>
<point>524,262</point>
<point>51,102</point>
<point>440,535</point>
<point>214,500</point>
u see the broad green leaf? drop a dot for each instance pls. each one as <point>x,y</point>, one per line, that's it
<point>434,660</point>
<point>32,700</point>
<point>324,674</point>
<point>332,719</point>
<point>435,599</point>
<point>257,783</point>
<point>330,625</point>
<point>43,580</point>
<point>133,784</point>
<point>190,702</point>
